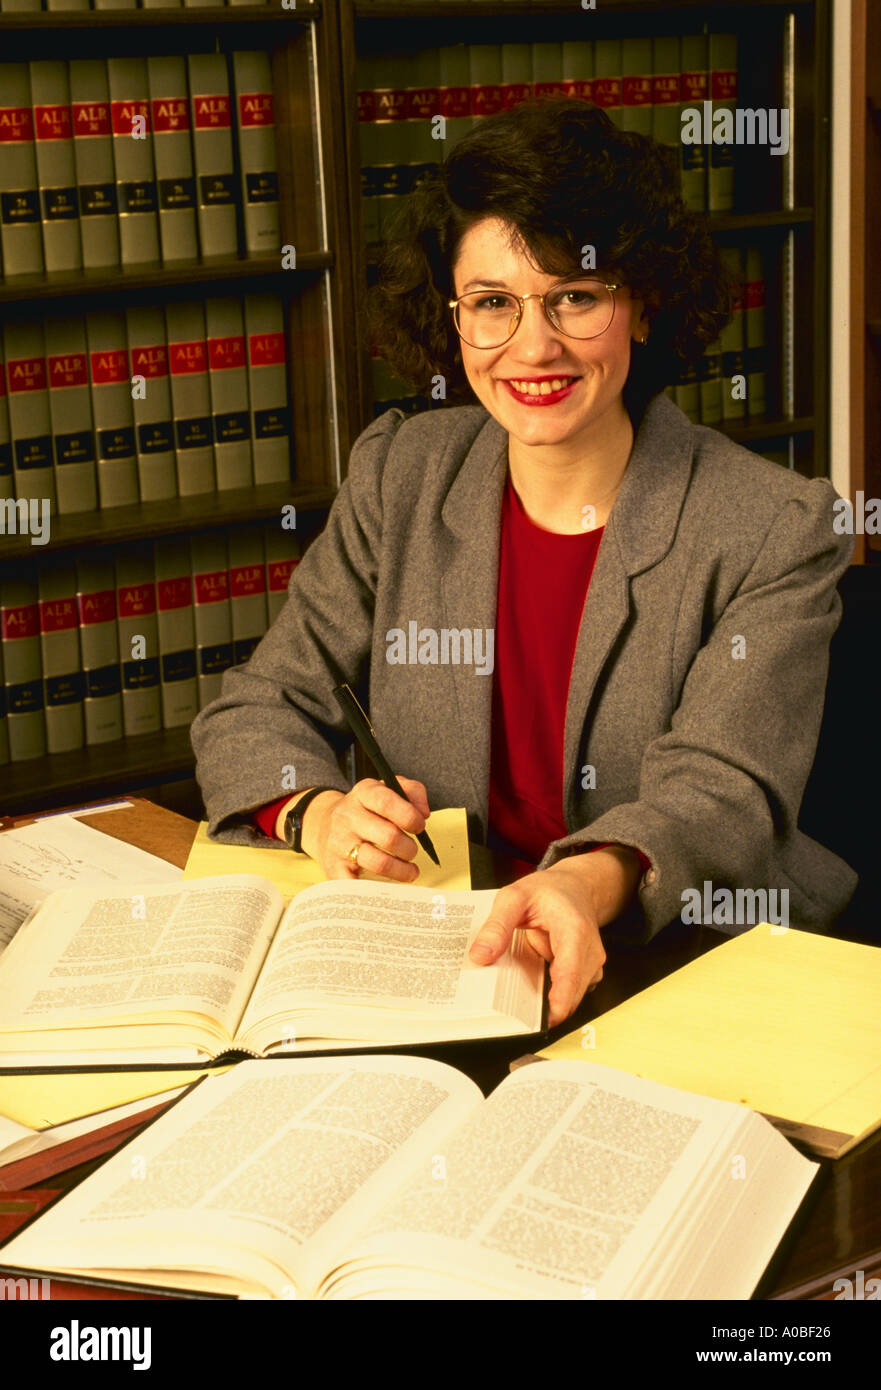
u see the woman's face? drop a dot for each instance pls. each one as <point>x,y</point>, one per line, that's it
<point>590,372</point>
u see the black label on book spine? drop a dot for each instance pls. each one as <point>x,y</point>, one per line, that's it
<point>34,453</point>
<point>140,675</point>
<point>177,193</point>
<point>244,649</point>
<point>215,659</point>
<point>732,363</point>
<point>178,666</point>
<point>25,697</point>
<point>116,444</point>
<point>272,424</point>
<point>5,460</point>
<point>102,681</point>
<point>98,200</point>
<point>693,157</point>
<point>137,197</point>
<point>64,690</point>
<point>2,701</point>
<point>262,188</point>
<point>23,205</point>
<point>216,190</point>
<point>59,204</point>
<point>393,179</point>
<point>156,437</point>
<point>194,433</point>
<point>75,448</point>
<point>232,428</point>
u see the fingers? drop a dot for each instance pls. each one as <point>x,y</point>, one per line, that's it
<point>374,817</point>
<point>495,935</point>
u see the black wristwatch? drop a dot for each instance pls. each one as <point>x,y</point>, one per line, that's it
<point>293,821</point>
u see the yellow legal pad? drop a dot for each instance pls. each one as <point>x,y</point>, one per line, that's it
<point>292,872</point>
<point>40,1099</point>
<point>783,1021</point>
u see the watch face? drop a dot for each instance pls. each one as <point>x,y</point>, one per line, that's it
<point>289,829</point>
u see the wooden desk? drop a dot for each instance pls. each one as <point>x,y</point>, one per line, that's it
<point>841,1231</point>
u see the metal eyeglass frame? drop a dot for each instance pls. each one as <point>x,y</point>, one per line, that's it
<point>521,299</point>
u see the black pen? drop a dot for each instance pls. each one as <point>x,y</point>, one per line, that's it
<point>363,730</point>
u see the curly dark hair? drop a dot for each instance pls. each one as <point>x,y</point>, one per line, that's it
<point>563,176</point>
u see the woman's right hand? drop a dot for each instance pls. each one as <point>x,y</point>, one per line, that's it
<point>372,816</point>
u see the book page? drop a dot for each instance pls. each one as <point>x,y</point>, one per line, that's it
<point>241,1185</point>
<point>95,957</point>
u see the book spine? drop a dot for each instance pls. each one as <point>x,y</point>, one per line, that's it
<point>173,157</point>
<point>692,95</point>
<point>247,590</point>
<point>70,406</point>
<point>7,483</point>
<point>151,403</point>
<point>199,4</point>
<point>138,639</point>
<point>99,645</point>
<point>213,621</point>
<point>93,156</point>
<point>723,95</point>
<point>754,316</point>
<point>282,558</point>
<point>547,71</point>
<point>110,376</point>
<point>733,356</point>
<point>161,4</point>
<point>455,93</point>
<point>710,381</point>
<point>29,419</point>
<point>4,722</point>
<point>267,388</point>
<point>177,637</point>
<point>256,133</point>
<point>391,137</point>
<point>60,653</point>
<point>422,106</point>
<point>607,81</point>
<point>22,666</point>
<point>133,160</point>
<point>665,96</point>
<point>516,74</point>
<point>20,231</point>
<point>367,148</point>
<point>213,153</point>
<point>191,398</point>
<point>114,4</point>
<point>578,63</point>
<point>230,406</point>
<point>636,85</point>
<point>486,79</point>
<point>17,6</point>
<point>56,170</point>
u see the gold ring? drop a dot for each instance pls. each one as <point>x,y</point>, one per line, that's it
<point>353,853</point>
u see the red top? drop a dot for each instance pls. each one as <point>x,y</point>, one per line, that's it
<point>543,581</point>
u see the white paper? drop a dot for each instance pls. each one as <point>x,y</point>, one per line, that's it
<point>58,852</point>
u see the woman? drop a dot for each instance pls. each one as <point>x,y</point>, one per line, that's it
<point>641,609</point>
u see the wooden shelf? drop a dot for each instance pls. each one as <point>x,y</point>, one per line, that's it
<point>764,428</point>
<point>245,15</point>
<point>171,517</point>
<point>554,9</point>
<point>99,770</point>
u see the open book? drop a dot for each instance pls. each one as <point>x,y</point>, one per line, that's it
<point>392,1177</point>
<point>185,972</point>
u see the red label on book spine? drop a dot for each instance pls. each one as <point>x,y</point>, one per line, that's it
<point>52,123</point>
<point>607,91</point>
<point>366,106</point>
<point>513,93</point>
<point>109,367</point>
<point>266,349</point>
<point>136,600</point>
<point>693,86</point>
<point>90,118</point>
<point>422,103</point>
<point>226,352</point>
<point>26,374</point>
<point>391,104</point>
<point>212,587</point>
<point>755,294</point>
<point>170,114</point>
<point>150,361</point>
<point>579,88</point>
<point>279,573</point>
<point>99,607</point>
<point>186,358</point>
<point>57,614</point>
<point>246,579</point>
<point>21,621</point>
<point>636,91</point>
<point>69,370</point>
<point>16,124</point>
<point>211,112</point>
<point>124,112</point>
<point>665,88</point>
<point>174,593</point>
<point>548,89</point>
<point>486,99</point>
<point>255,108</point>
<point>724,85</point>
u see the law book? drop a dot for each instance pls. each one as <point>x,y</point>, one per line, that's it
<point>20,228</point>
<point>138,638</point>
<point>754,326</point>
<point>607,78</point>
<point>255,121</point>
<point>230,405</point>
<point>70,407</point>
<point>665,95</point>
<point>455,92</point>
<point>56,169</point>
<point>423,106</point>
<point>732,341</point>
<point>516,74</point>
<point>393,1178</point>
<point>577,60</point>
<point>191,397</point>
<point>636,85</point>
<point>151,402</point>
<point>268,388</point>
<point>723,95</point>
<point>485,75</point>
<point>211,120</point>
<point>369,147</point>
<point>60,655</point>
<point>282,558</point>
<point>247,590</point>
<point>173,157</point>
<point>22,664</point>
<point>99,647</point>
<point>30,422</point>
<point>7,482</point>
<point>177,637</point>
<point>693,92</point>
<point>93,157</point>
<point>4,729</point>
<point>110,375</point>
<point>393,166</point>
<point>209,561</point>
<point>547,71</point>
<point>133,160</point>
<point>68,5</point>
<point>11,6</point>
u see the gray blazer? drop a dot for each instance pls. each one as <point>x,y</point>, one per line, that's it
<point>701,742</point>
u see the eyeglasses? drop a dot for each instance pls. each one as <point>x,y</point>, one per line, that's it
<point>576,308</point>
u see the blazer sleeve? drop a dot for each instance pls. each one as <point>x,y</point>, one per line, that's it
<point>275,726</point>
<point>720,791</point>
